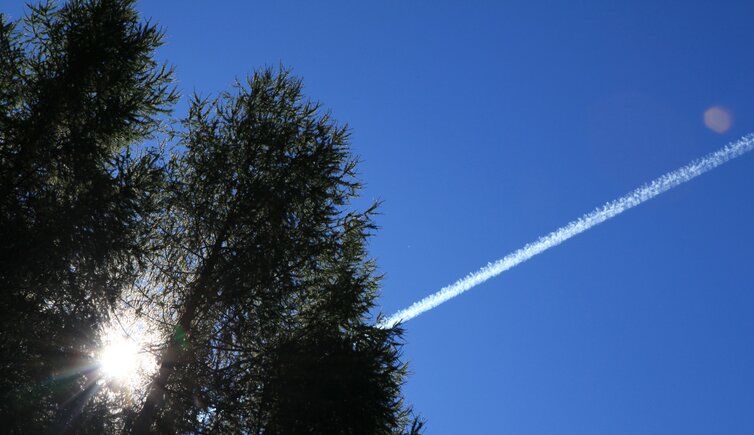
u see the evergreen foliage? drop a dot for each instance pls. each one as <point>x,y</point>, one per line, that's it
<point>238,246</point>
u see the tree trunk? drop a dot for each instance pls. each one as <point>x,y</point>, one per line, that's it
<point>171,356</point>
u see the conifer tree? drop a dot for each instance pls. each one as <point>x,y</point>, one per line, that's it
<point>79,88</point>
<point>239,247</point>
<point>275,288</point>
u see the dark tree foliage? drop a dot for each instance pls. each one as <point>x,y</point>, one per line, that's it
<point>240,245</point>
<point>78,87</point>
<point>268,272</point>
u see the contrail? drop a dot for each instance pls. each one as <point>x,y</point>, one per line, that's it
<point>599,215</point>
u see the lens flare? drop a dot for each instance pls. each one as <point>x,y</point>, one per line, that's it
<point>718,119</point>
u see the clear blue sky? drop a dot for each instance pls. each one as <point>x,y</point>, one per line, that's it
<point>483,125</point>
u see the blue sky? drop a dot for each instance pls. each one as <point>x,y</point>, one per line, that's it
<point>483,125</point>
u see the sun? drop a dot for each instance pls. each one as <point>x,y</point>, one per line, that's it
<point>120,359</point>
<point>124,360</point>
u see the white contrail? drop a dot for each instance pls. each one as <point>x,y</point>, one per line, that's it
<point>599,215</point>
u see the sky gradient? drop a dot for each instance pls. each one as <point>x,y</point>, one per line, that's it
<point>483,125</point>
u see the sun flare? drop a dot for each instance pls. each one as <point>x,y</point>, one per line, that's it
<point>123,360</point>
<point>119,359</point>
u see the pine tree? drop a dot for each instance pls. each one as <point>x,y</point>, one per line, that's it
<point>275,290</point>
<point>239,246</point>
<point>79,88</point>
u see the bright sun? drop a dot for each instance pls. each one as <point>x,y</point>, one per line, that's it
<point>120,359</point>
<point>124,362</point>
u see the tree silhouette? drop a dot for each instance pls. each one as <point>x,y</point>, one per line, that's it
<point>237,244</point>
<point>79,88</point>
